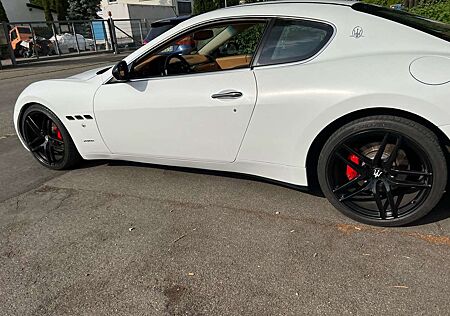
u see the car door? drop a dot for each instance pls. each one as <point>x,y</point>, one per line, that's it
<point>201,115</point>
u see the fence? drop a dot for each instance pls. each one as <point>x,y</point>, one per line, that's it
<point>22,42</point>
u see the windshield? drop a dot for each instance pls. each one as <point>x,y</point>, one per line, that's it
<point>157,31</point>
<point>438,29</point>
<point>24,30</point>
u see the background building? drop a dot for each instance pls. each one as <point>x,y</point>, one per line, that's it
<point>151,10</point>
<point>23,10</point>
<point>146,11</point>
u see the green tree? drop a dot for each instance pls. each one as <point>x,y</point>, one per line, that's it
<point>60,6</point>
<point>3,17</point>
<point>61,9</point>
<point>47,10</point>
<point>83,9</point>
<point>202,6</point>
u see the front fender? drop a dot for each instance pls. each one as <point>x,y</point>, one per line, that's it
<point>66,97</point>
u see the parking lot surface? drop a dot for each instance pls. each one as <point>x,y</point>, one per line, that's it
<point>117,238</point>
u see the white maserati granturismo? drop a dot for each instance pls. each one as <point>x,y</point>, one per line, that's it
<point>347,96</point>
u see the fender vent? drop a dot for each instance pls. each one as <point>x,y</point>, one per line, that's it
<point>79,117</point>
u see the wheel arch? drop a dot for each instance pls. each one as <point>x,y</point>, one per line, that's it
<point>19,117</point>
<point>319,141</point>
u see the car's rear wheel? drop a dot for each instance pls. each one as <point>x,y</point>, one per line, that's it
<point>383,170</point>
<point>48,139</point>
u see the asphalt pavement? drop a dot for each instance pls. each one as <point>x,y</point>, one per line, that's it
<point>117,238</point>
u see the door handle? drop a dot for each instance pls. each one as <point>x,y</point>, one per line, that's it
<point>227,95</point>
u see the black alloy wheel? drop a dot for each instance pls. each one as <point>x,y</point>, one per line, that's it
<point>383,170</point>
<point>47,138</point>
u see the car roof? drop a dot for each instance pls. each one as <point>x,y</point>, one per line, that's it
<point>283,7</point>
<point>331,2</point>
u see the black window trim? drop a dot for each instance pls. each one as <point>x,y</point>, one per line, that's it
<point>377,11</point>
<point>256,64</point>
<point>266,19</point>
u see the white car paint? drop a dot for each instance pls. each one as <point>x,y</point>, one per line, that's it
<point>431,70</point>
<point>174,121</point>
<point>188,124</point>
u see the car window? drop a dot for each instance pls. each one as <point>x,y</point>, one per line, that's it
<point>211,48</point>
<point>294,40</point>
<point>245,42</point>
<point>24,30</point>
<point>13,35</point>
<point>157,31</point>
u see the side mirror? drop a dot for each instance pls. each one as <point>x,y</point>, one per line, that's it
<point>121,72</point>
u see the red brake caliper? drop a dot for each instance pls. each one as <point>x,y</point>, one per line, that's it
<point>351,173</point>
<point>57,131</point>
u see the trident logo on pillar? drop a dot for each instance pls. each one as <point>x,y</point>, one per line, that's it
<point>357,32</point>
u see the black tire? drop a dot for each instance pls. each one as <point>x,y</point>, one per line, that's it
<point>372,174</point>
<point>68,156</point>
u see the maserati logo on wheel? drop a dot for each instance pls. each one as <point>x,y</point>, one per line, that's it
<point>377,173</point>
<point>357,32</point>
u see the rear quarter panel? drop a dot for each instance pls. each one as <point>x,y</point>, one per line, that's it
<point>297,101</point>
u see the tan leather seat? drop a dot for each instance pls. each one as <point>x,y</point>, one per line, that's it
<point>231,62</point>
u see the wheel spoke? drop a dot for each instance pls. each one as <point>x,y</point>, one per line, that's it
<point>48,127</point>
<point>33,142</point>
<point>353,194</point>
<point>347,185</point>
<point>354,166</point>
<point>379,203</point>
<point>32,124</point>
<point>379,154</point>
<point>399,201</point>
<point>363,158</point>
<point>409,184</point>
<point>49,153</point>
<point>390,200</point>
<point>411,173</point>
<point>35,148</point>
<point>394,153</point>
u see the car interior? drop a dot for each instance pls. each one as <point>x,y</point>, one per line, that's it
<point>220,47</point>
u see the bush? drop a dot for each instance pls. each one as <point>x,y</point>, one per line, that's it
<point>437,11</point>
<point>249,39</point>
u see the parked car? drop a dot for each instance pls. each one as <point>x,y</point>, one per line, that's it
<point>345,95</point>
<point>159,27</point>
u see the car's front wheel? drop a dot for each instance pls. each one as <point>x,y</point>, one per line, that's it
<point>383,170</point>
<point>48,139</point>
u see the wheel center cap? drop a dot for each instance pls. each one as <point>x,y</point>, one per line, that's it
<point>377,172</point>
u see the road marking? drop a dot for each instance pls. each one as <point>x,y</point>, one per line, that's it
<point>7,136</point>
